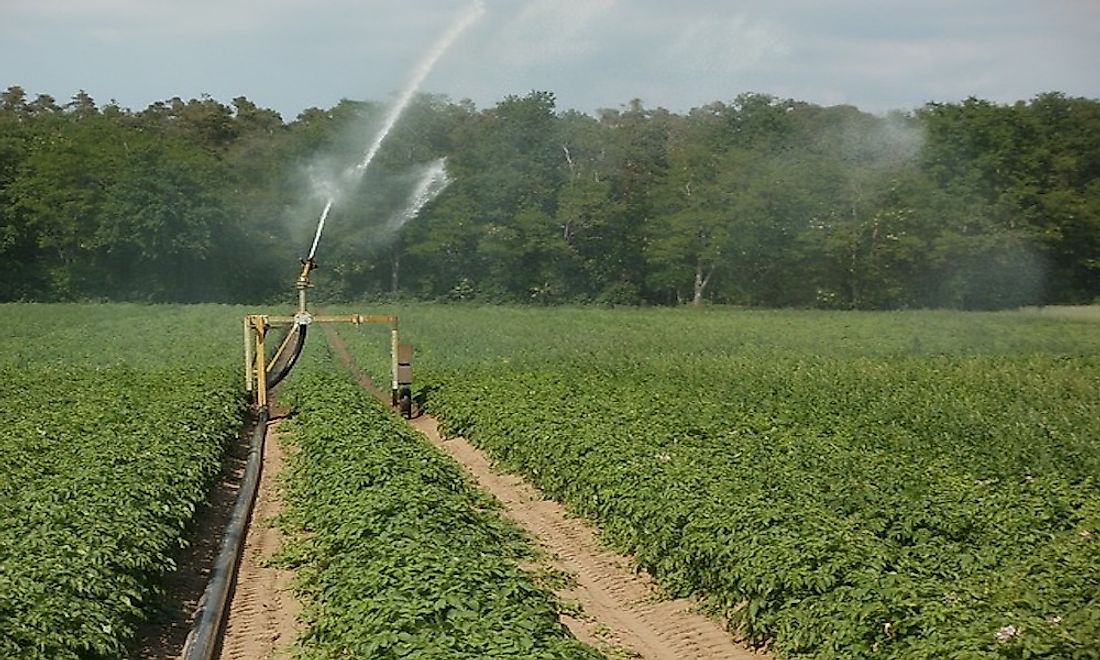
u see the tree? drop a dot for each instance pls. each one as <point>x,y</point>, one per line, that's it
<point>758,201</point>
<point>686,238</point>
<point>13,101</point>
<point>638,147</point>
<point>82,106</point>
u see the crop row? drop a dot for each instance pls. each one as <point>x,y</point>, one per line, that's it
<point>102,335</point>
<point>907,485</point>
<point>397,554</point>
<point>100,473</point>
<point>832,513</point>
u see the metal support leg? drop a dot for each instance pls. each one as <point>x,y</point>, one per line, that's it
<point>393,362</point>
<point>248,354</point>
<point>261,367</point>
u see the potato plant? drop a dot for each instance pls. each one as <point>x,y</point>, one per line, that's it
<point>113,424</point>
<point>102,472</point>
<point>905,485</point>
<point>397,553</point>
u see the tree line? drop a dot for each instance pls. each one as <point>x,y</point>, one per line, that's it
<point>759,201</point>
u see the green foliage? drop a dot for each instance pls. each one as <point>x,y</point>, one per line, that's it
<point>120,335</point>
<point>106,449</point>
<point>757,201</point>
<point>102,472</point>
<point>398,555</point>
<point>905,485</point>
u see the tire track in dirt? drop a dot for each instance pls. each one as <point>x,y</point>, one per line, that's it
<point>263,613</point>
<point>618,610</point>
<point>618,607</point>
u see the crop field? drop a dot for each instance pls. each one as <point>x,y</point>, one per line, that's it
<point>398,555</point>
<point>113,423</point>
<point>115,420</point>
<point>897,485</point>
<point>909,485</point>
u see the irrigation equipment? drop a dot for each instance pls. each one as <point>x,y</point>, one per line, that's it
<point>263,371</point>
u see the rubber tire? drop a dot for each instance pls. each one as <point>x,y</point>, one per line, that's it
<point>404,403</point>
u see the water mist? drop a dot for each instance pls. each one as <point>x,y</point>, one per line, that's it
<point>353,175</point>
<point>432,182</point>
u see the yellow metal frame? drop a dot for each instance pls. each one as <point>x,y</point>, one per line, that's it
<point>256,327</point>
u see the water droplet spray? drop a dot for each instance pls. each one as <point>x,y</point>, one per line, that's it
<point>432,182</point>
<point>354,174</point>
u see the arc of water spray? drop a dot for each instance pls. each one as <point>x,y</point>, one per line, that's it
<point>320,227</point>
<point>432,182</point>
<point>421,72</point>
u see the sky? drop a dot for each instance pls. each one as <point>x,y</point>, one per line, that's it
<point>289,55</point>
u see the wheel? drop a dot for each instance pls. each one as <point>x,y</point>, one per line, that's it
<point>404,403</point>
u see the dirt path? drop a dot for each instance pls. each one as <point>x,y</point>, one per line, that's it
<point>612,608</point>
<point>618,608</point>
<point>262,619</point>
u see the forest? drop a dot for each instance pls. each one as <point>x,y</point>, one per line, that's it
<point>759,201</point>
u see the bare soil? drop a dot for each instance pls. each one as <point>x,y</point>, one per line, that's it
<point>609,605</point>
<point>614,607</point>
<point>263,614</point>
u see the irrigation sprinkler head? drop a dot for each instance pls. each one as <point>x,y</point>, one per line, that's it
<point>308,266</point>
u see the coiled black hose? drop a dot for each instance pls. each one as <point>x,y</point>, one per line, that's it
<point>277,372</point>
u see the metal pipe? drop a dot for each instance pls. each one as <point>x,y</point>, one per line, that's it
<point>261,367</point>
<point>247,354</point>
<point>204,637</point>
<point>393,357</point>
<point>303,282</point>
<point>290,335</point>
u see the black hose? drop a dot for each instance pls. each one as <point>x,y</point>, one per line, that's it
<point>278,373</point>
<point>202,642</point>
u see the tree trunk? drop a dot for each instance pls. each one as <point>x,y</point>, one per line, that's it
<point>395,269</point>
<point>569,159</point>
<point>853,266</point>
<point>701,282</point>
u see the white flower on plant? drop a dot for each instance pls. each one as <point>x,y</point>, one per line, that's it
<point>1007,633</point>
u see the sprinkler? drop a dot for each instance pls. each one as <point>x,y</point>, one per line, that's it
<point>262,371</point>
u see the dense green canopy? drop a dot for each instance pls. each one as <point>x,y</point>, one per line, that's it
<point>759,201</point>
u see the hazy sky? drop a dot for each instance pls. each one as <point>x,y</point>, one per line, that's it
<point>293,54</point>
